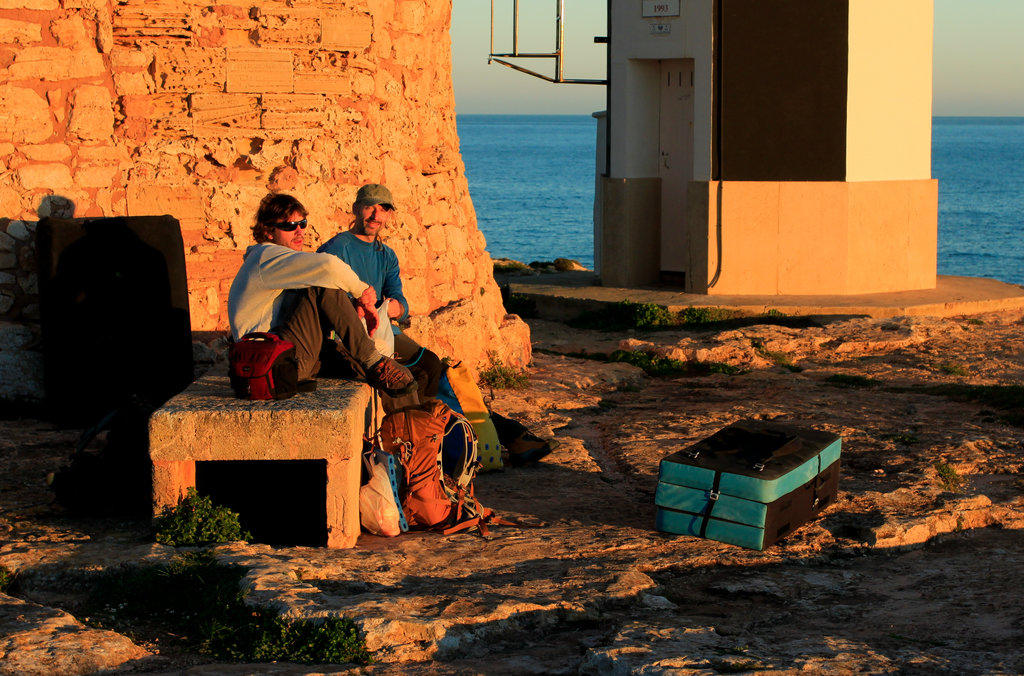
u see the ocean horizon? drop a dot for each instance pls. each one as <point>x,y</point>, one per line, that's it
<point>531,179</point>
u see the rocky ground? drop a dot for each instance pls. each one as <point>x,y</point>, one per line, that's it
<point>902,574</point>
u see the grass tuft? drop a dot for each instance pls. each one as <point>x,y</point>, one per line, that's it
<point>6,579</point>
<point>195,520</point>
<point>949,478</point>
<point>522,305</point>
<point>953,368</point>
<point>776,357</point>
<point>502,377</point>
<point>200,603</point>
<point>663,367</point>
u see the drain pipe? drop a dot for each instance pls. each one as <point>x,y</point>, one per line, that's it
<point>719,20</point>
<point>608,92</point>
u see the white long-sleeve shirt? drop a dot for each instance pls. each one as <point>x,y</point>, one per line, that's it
<point>254,300</point>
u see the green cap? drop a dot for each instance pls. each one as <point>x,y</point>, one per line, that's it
<point>375,193</point>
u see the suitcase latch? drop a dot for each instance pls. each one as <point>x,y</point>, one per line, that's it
<point>713,495</point>
<point>693,454</point>
<point>758,466</point>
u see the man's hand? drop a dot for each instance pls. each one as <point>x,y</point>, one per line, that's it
<point>365,309</point>
<point>395,309</point>
<point>369,298</point>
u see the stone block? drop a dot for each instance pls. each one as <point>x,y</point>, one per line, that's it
<point>192,69</point>
<point>19,32</point>
<point>49,176</point>
<point>125,57</point>
<point>71,32</point>
<point>92,113</point>
<point>47,152</point>
<point>159,21</point>
<point>52,64</point>
<point>288,25</point>
<point>103,154</point>
<point>207,423</point>
<point>222,115</point>
<point>184,202</point>
<point>293,111</point>
<point>133,84</point>
<point>41,5</point>
<point>166,114</point>
<point>24,115</point>
<point>346,30</point>
<point>259,70</point>
<point>96,176</point>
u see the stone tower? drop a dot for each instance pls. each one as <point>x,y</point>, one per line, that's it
<point>197,109</point>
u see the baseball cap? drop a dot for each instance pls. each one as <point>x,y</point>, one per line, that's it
<point>375,193</point>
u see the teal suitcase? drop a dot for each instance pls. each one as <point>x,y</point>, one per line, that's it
<point>749,484</point>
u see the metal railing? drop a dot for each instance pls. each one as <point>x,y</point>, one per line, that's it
<point>557,55</point>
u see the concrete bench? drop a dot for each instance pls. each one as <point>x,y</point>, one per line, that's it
<point>207,422</point>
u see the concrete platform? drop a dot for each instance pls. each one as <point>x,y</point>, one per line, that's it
<point>207,422</point>
<point>567,294</point>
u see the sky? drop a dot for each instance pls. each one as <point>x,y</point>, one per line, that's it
<point>978,60</point>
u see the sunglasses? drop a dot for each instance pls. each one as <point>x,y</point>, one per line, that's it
<point>288,226</point>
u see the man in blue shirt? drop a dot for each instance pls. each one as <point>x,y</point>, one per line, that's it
<point>377,265</point>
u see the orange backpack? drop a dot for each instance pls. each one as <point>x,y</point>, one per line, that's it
<point>436,450</point>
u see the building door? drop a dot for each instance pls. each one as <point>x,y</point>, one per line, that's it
<point>675,163</point>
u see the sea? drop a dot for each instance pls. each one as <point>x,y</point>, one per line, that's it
<point>531,178</point>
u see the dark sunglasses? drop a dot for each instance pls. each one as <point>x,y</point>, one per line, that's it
<point>288,226</point>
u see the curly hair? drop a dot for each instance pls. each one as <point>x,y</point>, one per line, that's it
<point>274,208</point>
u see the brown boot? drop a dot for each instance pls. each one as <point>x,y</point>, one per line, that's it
<point>391,378</point>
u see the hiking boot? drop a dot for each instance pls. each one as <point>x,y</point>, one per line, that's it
<point>391,378</point>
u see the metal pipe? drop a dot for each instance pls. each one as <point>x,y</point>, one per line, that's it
<point>491,52</point>
<point>515,27</point>
<point>559,37</point>
<point>608,92</point>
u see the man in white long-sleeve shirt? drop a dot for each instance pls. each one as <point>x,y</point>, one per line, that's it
<point>304,297</point>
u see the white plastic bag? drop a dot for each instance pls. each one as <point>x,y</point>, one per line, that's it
<point>384,335</point>
<point>377,509</point>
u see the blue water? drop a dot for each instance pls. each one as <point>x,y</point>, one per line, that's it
<point>980,166</point>
<point>531,178</point>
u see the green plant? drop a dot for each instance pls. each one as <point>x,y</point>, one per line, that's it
<point>949,478</point>
<point>706,315</point>
<point>502,377</point>
<point>664,367</point>
<point>625,315</point>
<point>197,521</point>
<point>776,357</point>
<point>845,380</point>
<point>953,368</point>
<point>508,265</point>
<point>974,321</point>
<point>522,305</point>
<point>6,579</point>
<point>199,602</point>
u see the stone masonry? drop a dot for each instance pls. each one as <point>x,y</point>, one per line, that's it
<point>197,109</point>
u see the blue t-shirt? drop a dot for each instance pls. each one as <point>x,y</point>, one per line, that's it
<point>374,262</point>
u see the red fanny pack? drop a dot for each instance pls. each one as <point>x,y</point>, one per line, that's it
<point>263,366</point>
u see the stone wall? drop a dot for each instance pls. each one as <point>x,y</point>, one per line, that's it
<point>197,109</point>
